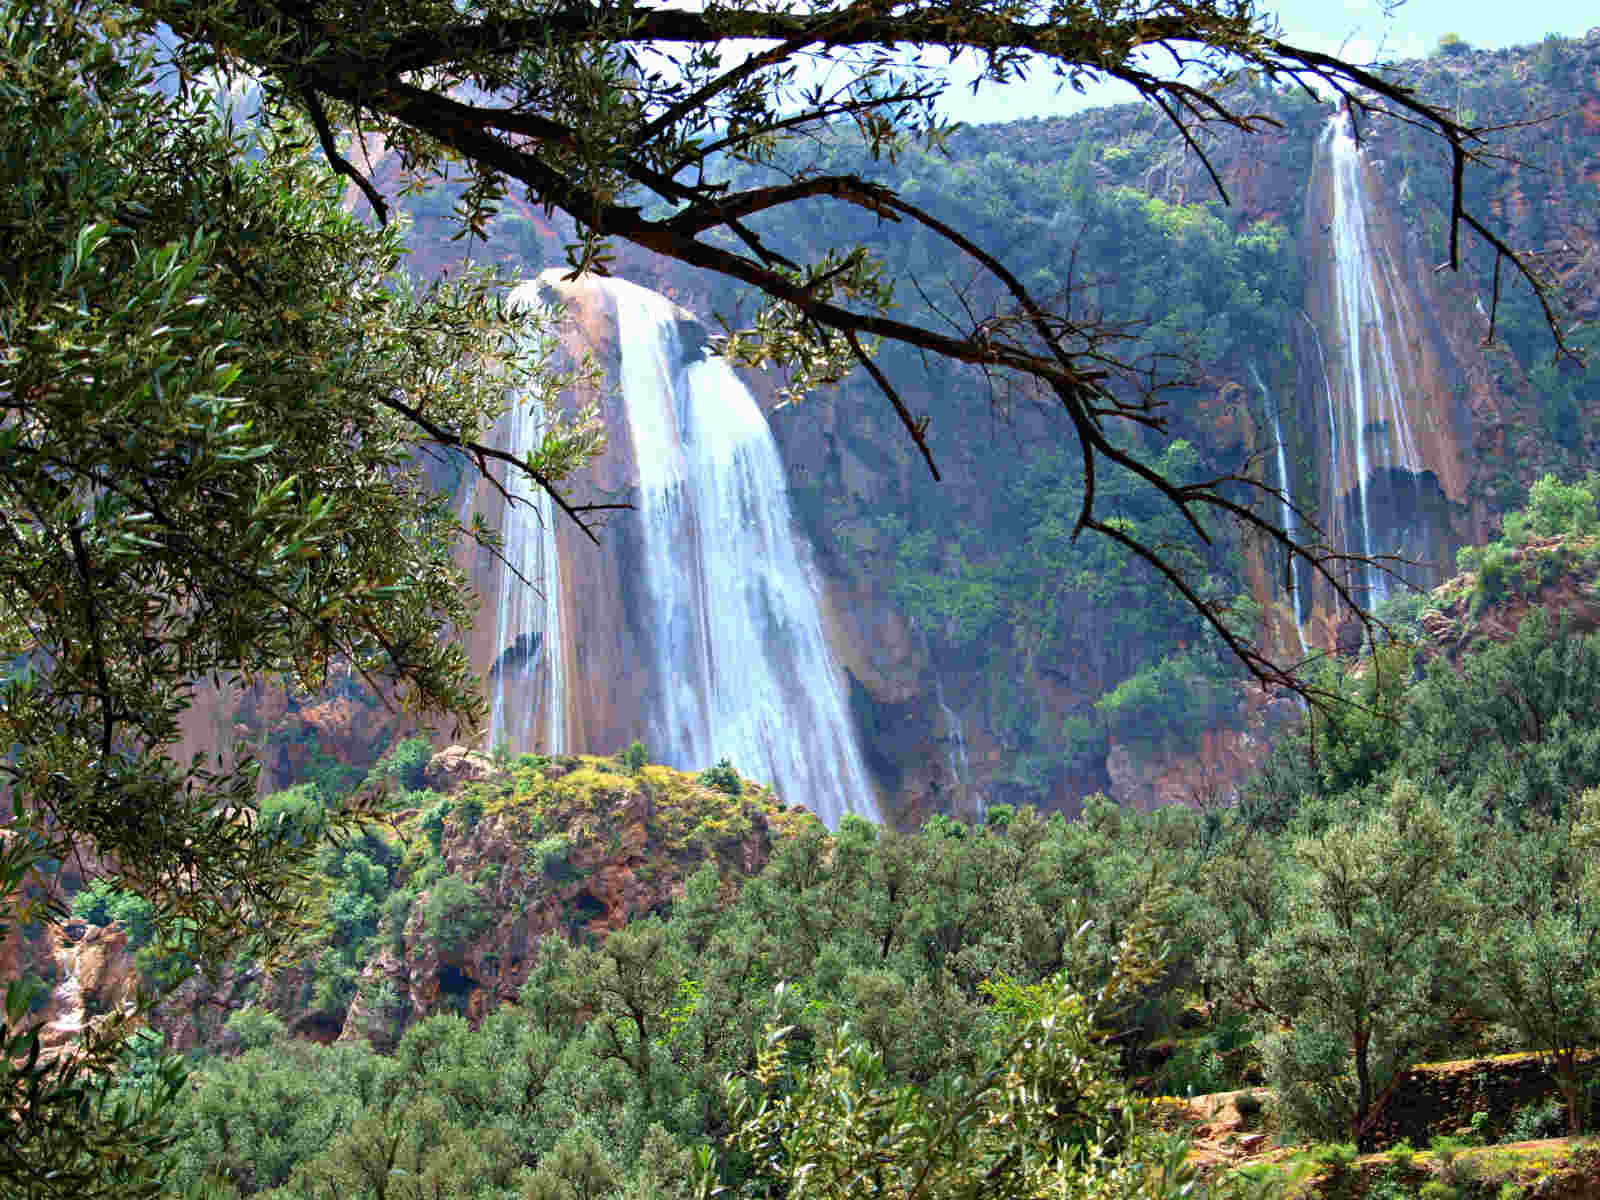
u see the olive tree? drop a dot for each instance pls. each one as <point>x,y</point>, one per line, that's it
<point>1359,975</point>
<point>1538,941</point>
<point>216,397</point>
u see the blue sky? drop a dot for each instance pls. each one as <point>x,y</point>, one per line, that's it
<point>1360,27</point>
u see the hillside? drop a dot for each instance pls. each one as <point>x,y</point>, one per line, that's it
<point>992,659</point>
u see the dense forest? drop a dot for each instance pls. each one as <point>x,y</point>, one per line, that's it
<point>1405,880</point>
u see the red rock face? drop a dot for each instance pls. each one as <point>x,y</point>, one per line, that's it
<point>626,854</point>
<point>1453,629</point>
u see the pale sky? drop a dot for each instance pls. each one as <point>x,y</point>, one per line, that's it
<point>1358,29</point>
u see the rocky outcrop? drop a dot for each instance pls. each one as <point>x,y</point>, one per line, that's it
<point>574,848</point>
<point>1560,575</point>
<point>455,767</point>
<point>1207,776</point>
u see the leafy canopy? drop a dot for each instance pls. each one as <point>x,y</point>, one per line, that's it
<point>218,396</point>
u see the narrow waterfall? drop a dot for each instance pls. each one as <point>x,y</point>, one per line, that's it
<point>959,766</point>
<point>741,669</point>
<point>1286,502</point>
<point>1370,310</point>
<point>527,681</point>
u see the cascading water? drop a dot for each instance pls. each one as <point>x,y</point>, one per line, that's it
<point>1370,416</point>
<point>1285,503</point>
<point>528,678</point>
<point>958,747</point>
<point>741,668</point>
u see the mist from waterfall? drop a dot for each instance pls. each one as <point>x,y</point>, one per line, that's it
<point>528,681</point>
<point>741,669</point>
<point>1368,301</point>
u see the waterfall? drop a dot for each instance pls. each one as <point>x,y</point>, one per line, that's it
<point>957,752</point>
<point>741,670</point>
<point>1286,502</point>
<point>527,680</point>
<point>1367,302</point>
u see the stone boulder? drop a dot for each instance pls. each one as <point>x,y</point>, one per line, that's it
<point>455,767</point>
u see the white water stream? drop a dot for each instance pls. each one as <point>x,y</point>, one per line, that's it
<point>1286,511</point>
<point>529,680</point>
<point>741,669</point>
<point>1367,303</point>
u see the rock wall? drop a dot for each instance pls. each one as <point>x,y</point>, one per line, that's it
<point>930,736</point>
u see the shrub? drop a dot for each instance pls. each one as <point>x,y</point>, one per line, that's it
<point>1538,1120</point>
<point>396,911</point>
<point>432,823</point>
<point>455,913</point>
<point>550,855</point>
<point>294,815</point>
<point>998,816</point>
<point>1337,1157</point>
<point>256,1027</point>
<point>723,777</point>
<point>404,765</point>
<point>1554,508</point>
<point>102,904</point>
<point>635,757</point>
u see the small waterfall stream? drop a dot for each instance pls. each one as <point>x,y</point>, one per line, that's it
<point>528,680</point>
<point>959,767</point>
<point>741,669</point>
<point>1286,503</point>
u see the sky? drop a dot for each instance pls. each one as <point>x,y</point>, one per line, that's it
<point>1357,29</point>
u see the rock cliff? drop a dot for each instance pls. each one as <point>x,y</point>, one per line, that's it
<point>938,714</point>
<point>573,847</point>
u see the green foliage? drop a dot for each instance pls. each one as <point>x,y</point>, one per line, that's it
<point>455,913</point>
<point>1538,941</point>
<point>256,1027</point>
<point>293,817</point>
<point>1036,1123</point>
<point>1510,733</point>
<point>403,767</point>
<point>201,355</point>
<point>432,822</point>
<point>101,903</point>
<point>1539,1119</point>
<point>1168,705</point>
<point>1555,508</point>
<point>724,777</point>
<point>549,855</point>
<point>1361,966</point>
<point>353,907</point>
<point>635,757</point>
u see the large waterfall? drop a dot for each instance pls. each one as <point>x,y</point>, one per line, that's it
<point>741,669</point>
<point>696,625</point>
<point>1370,428</point>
